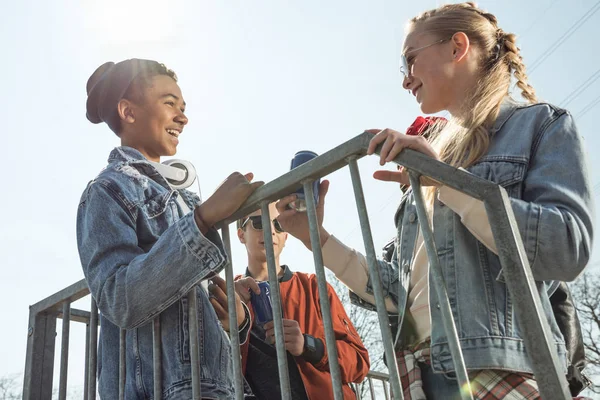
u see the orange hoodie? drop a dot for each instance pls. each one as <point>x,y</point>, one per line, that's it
<point>300,302</point>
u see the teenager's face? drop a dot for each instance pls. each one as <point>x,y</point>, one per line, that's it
<point>254,239</point>
<point>430,71</point>
<point>158,120</point>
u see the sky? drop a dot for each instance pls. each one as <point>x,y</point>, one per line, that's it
<point>261,79</point>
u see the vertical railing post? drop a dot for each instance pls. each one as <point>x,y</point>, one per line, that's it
<point>64,351</point>
<point>122,362</point>
<point>157,358</point>
<point>437,274</point>
<point>93,346</point>
<point>194,350</point>
<point>547,367</point>
<point>234,333</point>
<point>284,379</point>
<point>330,342</point>
<point>382,314</point>
<point>86,368</point>
<point>371,389</point>
<point>39,360</point>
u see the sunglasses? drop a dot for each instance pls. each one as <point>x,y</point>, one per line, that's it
<point>256,221</point>
<point>406,65</point>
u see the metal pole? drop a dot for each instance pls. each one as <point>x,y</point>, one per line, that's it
<point>284,379</point>
<point>39,360</point>
<point>371,389</point>
<point>519,279</point>
<point>93,345</point>
<point>315,241</point>
<point>385,390</point>
<point>382,314</point>
<point>194,354</point>
<point>234,333</point>
<point>157,358</point>
<point>64,351</point>
<point>435,269</point>
<point>122,362</point>
<point>86,377</point>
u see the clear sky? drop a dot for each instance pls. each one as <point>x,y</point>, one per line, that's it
<point>262,80</point>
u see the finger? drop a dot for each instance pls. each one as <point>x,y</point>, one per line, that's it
<point>373,131</point>
<point>268,326</point>
<point>221,313</point>
<point>283,215</point>
<point>249,176</point>
<point>323,189</point>
<point>378,138</point>
<point>256,185</point>
<point>395,150</point>
<point>391,176</point>
<point>250,284</point>
<point>385,149</point>
<point>282,204</point>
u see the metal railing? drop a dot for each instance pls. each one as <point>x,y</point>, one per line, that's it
<point>547,370</point>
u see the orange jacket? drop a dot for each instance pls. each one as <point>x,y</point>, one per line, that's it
<point>300,302</point>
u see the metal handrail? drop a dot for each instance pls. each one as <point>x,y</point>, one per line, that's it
<point>517,273</point>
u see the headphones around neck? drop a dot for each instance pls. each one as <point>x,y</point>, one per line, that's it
<point>180,174</point>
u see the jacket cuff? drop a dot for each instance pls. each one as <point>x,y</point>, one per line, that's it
<point>244,329</point>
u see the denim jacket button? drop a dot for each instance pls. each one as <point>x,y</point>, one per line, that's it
<point>412,217</point>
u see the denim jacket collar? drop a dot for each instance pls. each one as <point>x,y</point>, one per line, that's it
<point>125,154</point>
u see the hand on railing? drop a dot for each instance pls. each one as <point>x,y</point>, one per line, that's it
<point>296,222</point>
<point>393,143</point>
<point>228,197</point>
<point>243,286</point>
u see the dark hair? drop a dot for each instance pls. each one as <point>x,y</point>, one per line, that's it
<point>112,82</point>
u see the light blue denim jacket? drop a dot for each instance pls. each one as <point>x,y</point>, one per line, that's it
<point>140,256</point>
<point>537,155</point>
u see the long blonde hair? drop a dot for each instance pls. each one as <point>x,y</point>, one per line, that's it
<point>467,139</point>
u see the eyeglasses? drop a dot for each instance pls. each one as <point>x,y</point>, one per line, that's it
<point>256,221</point>
<point>405,65</point>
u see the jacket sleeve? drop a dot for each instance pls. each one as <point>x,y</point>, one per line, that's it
<point>556,213</point>
<point>555,216</point>
<point>353,357</point>
<point>132,285</point>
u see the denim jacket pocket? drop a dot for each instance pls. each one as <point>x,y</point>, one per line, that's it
<point>508,172</point>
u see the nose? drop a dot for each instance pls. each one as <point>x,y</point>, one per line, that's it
<point>181,119</point>
<point>407,81</point>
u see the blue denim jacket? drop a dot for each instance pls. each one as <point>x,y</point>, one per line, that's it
<point>140,256</point>
<point>537,155</point>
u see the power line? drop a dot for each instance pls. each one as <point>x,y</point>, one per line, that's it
<point>580,89</point>
<point>539,18</point>
<point>564,37</point>
<point>589,106</point>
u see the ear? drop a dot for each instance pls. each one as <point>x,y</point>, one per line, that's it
<point>460,46</point>
<point>126,111</point>
<point>285,237</point>
<point>241,235</point>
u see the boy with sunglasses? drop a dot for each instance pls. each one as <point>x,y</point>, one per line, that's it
<point>302,325</point>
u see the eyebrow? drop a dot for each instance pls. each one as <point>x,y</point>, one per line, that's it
<point>173,96</point>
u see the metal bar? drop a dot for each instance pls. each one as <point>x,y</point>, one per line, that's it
<point>371,389</point>
<point>437,274</point>
<point>86,369</point>
<point>157,358</point>
<point>382,315</point>
<point>234,333</point>
<point>540,347</point>
<point>315,240</point>
<point>122,362</point>
<point>64,351</point>
<point>284,379</point>
<point>335,159</point>
<point>39,359</point>
<point>385,390</point>
<point>194,346</point>
<point>77,315</point>
<point>54,302</point>
<point>93,345</point>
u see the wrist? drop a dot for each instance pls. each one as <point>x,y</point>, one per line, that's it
<point>201,221</point>
<point>323,237</point>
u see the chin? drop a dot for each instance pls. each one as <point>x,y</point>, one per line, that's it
<point>427,108</point>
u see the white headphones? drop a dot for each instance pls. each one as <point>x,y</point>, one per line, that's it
<point>180,174</point>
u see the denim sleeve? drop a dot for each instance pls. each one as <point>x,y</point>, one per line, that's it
<point>556,214</point>
<point>131,286</point>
